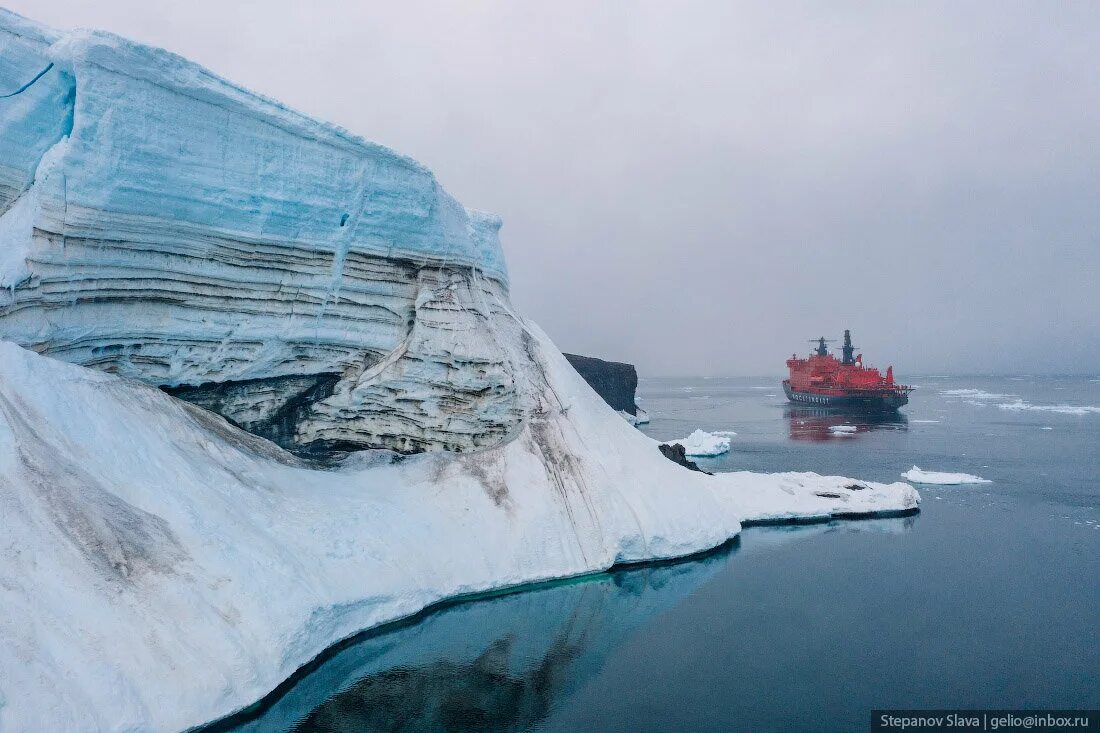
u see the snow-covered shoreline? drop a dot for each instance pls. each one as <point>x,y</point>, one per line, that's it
<point>165,569</point>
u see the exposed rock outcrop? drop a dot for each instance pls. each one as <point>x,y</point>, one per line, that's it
<point>678,455</point>
<point>615,381</point>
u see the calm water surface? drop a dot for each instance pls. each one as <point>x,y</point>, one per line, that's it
<point>989,598</point>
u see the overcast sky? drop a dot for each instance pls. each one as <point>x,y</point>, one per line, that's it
<point>700,187</point>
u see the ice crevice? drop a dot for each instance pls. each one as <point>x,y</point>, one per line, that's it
<point>28,85</point>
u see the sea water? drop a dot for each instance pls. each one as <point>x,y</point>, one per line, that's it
<point>989,598</point>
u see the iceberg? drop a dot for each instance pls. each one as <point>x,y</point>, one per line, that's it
<point>920,476</point>
<point>262,387</point>
<point>701,443</point>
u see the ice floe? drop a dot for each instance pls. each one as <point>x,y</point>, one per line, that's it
<point>975,394</point>
<point>1021,406</point>
<point>920,476</point>
<point>703,444</point>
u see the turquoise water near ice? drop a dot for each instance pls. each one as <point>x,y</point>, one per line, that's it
<point>990,597</point>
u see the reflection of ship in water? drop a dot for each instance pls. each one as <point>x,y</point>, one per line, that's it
<point>824,423</point>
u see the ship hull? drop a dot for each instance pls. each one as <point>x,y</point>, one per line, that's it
<point>877,402</point>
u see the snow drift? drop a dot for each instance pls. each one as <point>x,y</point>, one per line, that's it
<point>162,566</point>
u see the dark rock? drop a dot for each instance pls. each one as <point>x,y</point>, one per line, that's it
<point>615,381</point>
<point>677,454</point>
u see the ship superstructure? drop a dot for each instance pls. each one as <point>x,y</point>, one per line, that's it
<point>822,379</point>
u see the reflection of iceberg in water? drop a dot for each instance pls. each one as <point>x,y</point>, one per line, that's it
<point>494,664</point>
<point>761,536</point>
<point>822,423</point>
<point>501,663</point>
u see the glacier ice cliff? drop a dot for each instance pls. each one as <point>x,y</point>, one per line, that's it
<point>166,225</point>
<point>165,232</point>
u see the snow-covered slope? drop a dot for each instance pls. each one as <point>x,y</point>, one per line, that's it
<point>160,567</point>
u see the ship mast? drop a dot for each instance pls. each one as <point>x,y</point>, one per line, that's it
<point>848,350</point>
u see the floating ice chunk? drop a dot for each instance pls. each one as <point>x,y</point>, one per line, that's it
<point>1021,406</point>
<point>843,429</point>
<point>919,476</point>
<point>641,418</point>
<point>702,443</point>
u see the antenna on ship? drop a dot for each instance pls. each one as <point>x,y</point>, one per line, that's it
<point>848,349</point>
<point>821,350</point>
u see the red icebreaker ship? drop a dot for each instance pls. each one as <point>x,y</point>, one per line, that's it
<point>826,381</point>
